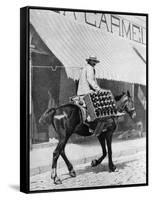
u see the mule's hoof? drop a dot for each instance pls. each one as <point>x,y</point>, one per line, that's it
<point>72,173</point>
<point>94,163</point>
<point>116,170</point>
<point>57,181</point>
<point>113,169</point>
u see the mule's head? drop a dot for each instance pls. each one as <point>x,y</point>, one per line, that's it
<point>46,118</point>
<point>127,105</point>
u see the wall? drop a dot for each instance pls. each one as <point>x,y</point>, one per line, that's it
<point>141,112</point>
<point>45,92</point>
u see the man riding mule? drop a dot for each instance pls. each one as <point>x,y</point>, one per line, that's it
<point>67,120</point>
<point>88,85</point>
<point>75,117</point>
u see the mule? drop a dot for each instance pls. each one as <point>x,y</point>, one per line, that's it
<point>67,120</point>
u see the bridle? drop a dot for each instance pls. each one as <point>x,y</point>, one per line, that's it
<point>124,106</point>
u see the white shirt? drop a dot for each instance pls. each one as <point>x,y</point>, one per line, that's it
<point>87,81</point>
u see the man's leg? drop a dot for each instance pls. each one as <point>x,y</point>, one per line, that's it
<point>99,128</point>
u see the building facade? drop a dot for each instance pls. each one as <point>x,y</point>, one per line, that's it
<point>59,44</point>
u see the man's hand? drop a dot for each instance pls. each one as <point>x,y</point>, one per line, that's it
<point>100,90</point>
<point>103,90</point>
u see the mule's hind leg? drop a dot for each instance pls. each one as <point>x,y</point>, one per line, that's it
<point>56,155</point>
<point>54,165</point>
<point>101,139</point>
<point>69,165</point>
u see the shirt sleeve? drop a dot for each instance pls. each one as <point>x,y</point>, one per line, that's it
<point>91,79</point>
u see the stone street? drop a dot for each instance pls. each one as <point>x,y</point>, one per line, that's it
<point>131,170</point>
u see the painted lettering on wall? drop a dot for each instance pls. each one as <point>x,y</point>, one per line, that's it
<point>112,23</point>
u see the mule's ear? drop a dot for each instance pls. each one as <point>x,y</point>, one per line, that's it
<point>49,93</point>
<point>128,93</point>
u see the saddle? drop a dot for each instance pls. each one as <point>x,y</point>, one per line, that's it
<point>79,101</point>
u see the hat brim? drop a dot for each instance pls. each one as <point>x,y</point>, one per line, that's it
<point>96,61</point>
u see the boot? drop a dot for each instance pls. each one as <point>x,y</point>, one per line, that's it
<point>99,128</point>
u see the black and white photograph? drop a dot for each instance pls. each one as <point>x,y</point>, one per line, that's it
<point>87,99</point>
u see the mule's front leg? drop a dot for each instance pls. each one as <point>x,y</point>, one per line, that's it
<point>96,162</point>
<point>112,167</point>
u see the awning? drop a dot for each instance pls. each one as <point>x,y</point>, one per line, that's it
<point>73,42</point>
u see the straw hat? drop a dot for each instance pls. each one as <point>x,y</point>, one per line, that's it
<point>93,58</point>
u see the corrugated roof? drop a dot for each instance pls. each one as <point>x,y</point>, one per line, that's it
<point>72,43</point>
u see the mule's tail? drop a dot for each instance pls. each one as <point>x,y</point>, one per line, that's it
<point>52,112</point>
<point>47,116</point>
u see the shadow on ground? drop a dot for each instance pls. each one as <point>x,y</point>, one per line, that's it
<point>98,169</point>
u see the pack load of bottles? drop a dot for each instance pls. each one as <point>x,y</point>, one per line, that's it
<point>100,104</point>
